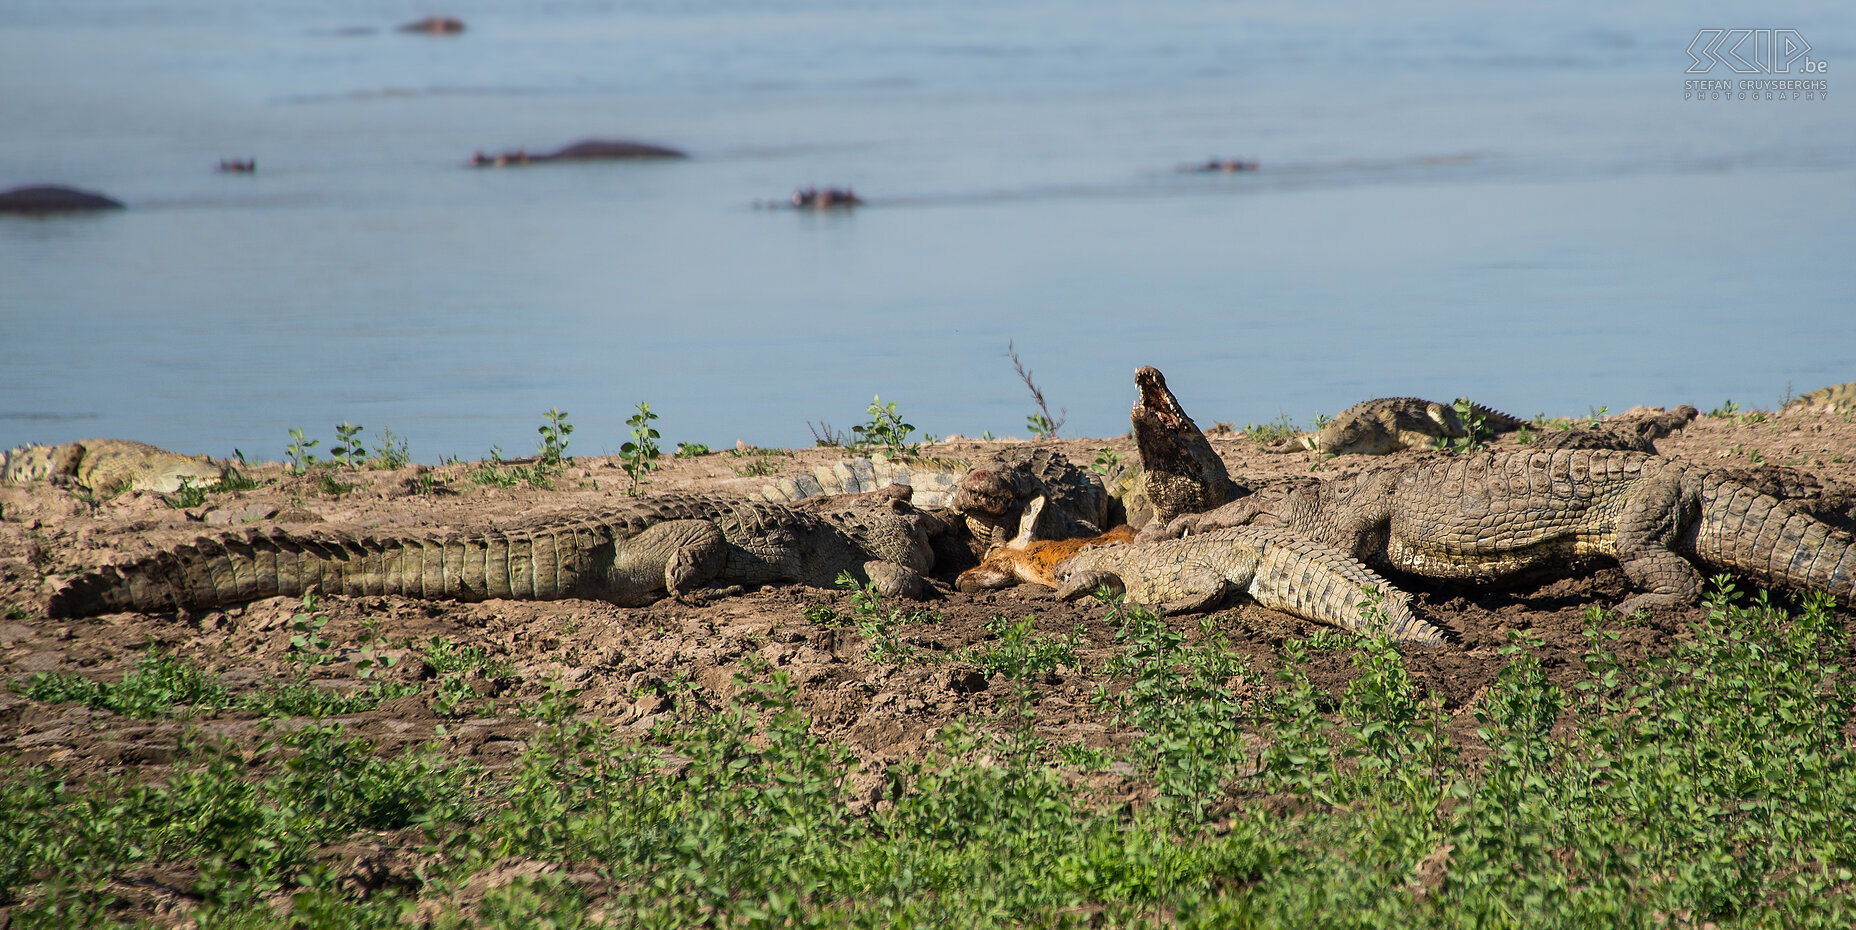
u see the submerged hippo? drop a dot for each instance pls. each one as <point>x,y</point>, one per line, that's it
<point>53,198</point>
<point>585,150</point>
<point>1226,165</point>
<point>238,165</point>
<point>812,198</point>
<point>435,25</point>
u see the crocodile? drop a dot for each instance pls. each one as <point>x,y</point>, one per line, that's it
<point>1390,424</point>
<point>1488,516</point>
<point>109,466</point>
<point>1631,431</point>
<point>631,555</point>
<point>1276,569</point>
<point>1834,397</point>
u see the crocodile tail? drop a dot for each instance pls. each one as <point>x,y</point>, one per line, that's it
<point>1496,420</point>
<point>1313,580</point>
<point>1757,535</point>
<point>235,568</point>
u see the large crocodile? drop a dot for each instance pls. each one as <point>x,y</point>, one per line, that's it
<point>108,466</point>
<point>1485,516</point>
<point>630,555</point>
<point>1390,424</point>
<point>1276,569</point>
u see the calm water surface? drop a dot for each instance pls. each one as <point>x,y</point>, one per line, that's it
<point>1453,200</point>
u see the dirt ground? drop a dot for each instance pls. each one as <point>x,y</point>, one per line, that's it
<point>623,659</point>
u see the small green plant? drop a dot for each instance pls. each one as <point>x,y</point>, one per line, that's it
<point>493,473</point>
<point>690,450</point>
<point>444,655</point>
<point>1019,652</point>
<point>1041,423</point>
<point>300,454</point>
<point>639,456</point>
<point>390,452</point>
<point>551,453</point>
<point>758,468</point>
<point>348,451</point>
<point>1726,409</point>
<point>236,480</point>
<point>159,686</point>
<point>885,431</point>
<point>308,646</point>
<point>328,484</point>
<point>1264,434</point>
<point>187,495</point>
<point>1107,461</point>
<point>874,621</point>
<point>1475,426</point>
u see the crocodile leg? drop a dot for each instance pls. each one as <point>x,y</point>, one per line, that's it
<point>677,556</point>
<point>1654,515</point>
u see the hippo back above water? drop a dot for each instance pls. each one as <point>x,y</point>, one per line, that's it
<point>53,198</point>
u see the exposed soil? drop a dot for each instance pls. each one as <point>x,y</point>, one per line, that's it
<point>621,659</point>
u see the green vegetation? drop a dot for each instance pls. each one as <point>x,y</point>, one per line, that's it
<point>1475,426</point>
<point>1277,430</point>
<point>551,453</point>
<point>549,462</point>
<point>639,456</point>
<point>1713,786</point>
<point>885,431</point>
<point>348,451</point>
<point>690,450</point>
<point>1019,652</point>
<point>189,495</point>
<point>1107,460</point>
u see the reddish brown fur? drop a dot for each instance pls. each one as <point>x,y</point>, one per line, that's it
<point>1035,562</point>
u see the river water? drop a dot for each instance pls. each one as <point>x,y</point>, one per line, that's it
<point>1453,199</point>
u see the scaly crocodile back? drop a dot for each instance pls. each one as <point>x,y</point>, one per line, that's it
<point>235,568</point>
<point>591,555</point>
<point>109,466</point>
<point>931,481</point>
<point>1840,396</point>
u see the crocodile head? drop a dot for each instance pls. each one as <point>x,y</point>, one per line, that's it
<point>1180,471</point>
